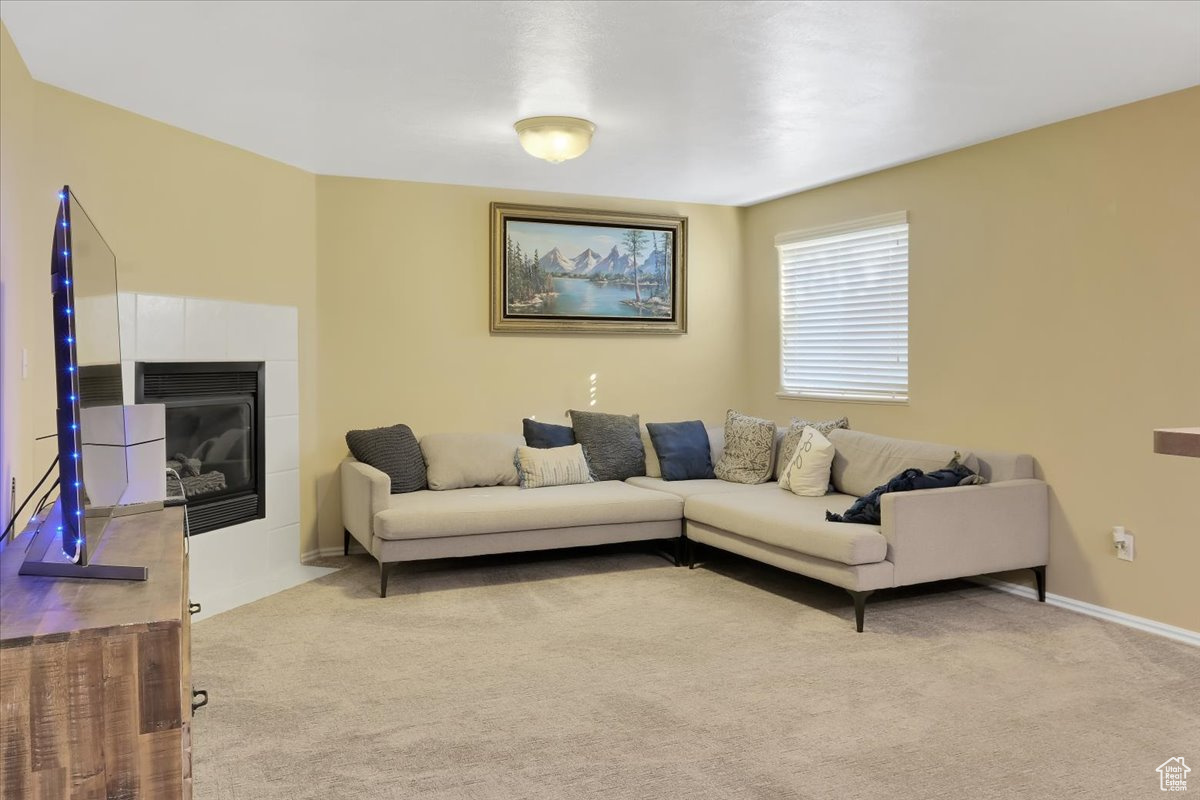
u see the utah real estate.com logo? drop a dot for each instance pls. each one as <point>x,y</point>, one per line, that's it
<point>1172,775</point>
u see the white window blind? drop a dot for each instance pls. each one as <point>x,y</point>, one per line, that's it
<point>843,311</point>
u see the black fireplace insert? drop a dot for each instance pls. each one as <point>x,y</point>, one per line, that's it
<point>215,435</point>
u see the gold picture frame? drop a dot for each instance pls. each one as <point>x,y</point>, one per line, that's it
<point>573,270</point>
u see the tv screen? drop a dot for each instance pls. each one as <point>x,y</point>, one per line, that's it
<point>88,384</point>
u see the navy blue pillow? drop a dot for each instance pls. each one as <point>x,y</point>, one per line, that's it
<point>682,448</point>
<point>545,435</point>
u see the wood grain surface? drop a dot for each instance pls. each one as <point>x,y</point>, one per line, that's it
<point>95,684</point>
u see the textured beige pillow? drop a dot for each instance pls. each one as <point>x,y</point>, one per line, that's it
<point>552,466</point>
<point>792,435</point>
<point>807,474</point>
<point>749,455</point>
<point>461,460</point>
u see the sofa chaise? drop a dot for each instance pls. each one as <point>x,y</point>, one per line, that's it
<point>923,536</point>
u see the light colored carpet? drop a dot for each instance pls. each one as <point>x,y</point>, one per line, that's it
<point>614,675</point>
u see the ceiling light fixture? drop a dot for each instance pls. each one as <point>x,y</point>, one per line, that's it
<point>555,139</point>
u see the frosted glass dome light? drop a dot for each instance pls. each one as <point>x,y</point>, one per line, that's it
<point>555,139</point>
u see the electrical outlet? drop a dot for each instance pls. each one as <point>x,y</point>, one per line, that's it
<point>1122,543</point>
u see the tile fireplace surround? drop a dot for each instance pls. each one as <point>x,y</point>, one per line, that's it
<point>234,565</point>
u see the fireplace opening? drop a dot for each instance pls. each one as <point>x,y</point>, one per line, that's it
<point>214,437</point>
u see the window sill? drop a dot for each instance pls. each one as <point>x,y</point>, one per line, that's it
<point>816,398</point>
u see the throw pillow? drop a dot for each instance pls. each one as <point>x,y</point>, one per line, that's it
<point>793,435</point>
<point>552,466</point>
<point>807,473</point>
<point>749,449</point>
<point>392,450</point>
<point>612,444</point>
<point>544,434</point>
<point>682,448</point>
<point>462,460</point>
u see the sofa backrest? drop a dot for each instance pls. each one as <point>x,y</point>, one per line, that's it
<point>863,461</point>
<point>462,460</point>
<point>996,465</point>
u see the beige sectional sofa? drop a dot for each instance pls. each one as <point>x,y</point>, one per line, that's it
<point>924,535</point>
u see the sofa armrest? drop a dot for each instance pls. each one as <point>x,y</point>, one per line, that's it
<point>935,534</point>
<point>365,492</point>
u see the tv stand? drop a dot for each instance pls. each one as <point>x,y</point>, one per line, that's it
<point>48,533</point>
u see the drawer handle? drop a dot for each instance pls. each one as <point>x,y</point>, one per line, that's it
<point>193,608</point>
<point>199,699</point>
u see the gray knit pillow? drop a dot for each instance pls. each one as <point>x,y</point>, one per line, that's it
<point>392,450</point>
<point>612,444</point>
<point>749,455</point>
<point>792,438</point>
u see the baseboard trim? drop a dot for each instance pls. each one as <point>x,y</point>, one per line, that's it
<point>326,552</point>
<point>1099,612</point>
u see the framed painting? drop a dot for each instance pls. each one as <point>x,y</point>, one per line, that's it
<point>569,270</point>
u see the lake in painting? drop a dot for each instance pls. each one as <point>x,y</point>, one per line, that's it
<point>575,270</point>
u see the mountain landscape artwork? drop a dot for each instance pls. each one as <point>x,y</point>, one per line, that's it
<point>572,270</point>
<point>554,269</point>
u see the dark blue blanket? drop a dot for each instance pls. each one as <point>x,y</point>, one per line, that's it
<point>866,508</point>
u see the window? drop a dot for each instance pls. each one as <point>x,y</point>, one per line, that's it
<point>843,311</point>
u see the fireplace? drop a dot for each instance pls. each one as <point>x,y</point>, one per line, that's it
<point>215,426</point>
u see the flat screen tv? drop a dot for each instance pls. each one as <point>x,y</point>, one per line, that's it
<point>89,394</point>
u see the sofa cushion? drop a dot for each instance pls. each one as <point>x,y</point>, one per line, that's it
<point>792,435</point>
<point>498,509</point>
<point>612,443</point>
<point>686,489</point>
<point>785,520</point>
<point>546,435</point>
<point>864,461</point>
<point>393,450</point>
<point>749,449</point>
<point>462,460</point>
<point>682,449</point>
<point>538,467</point>
<point>807,472</point>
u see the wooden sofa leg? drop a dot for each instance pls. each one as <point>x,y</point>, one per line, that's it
<point>384,568</point>
<point>860,605</point>
<point>345,541</point>
<point>690,553</point>
<point>1040,574</point>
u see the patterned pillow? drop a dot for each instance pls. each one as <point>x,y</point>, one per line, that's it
<point>749,449</point>
<point>545,434</point>
<point>612,444</point>
<point>551,466</point>
<point>788,448</point>
<point>807,473</point>
<point>392,450</point>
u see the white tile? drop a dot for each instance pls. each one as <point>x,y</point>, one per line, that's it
<point>283,499</point>
<point>128,382</point>
<point>206,330</point>
<point>283,388</point>
<point>282,444</point>
<point>159,333</point>
<point>213,559</point>
<point>281,332</point>
<point>283,549</point>
<point>246,332</point>
<point>127,322</point>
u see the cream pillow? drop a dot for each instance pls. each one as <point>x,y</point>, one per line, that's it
<point>554,466</point>
<point>807,474</point>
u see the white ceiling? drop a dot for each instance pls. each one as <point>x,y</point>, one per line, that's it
<point>716,102</point>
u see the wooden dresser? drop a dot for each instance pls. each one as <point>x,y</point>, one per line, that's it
<point>95,676</point>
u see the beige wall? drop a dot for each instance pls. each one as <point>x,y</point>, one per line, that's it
<point>1054,309</point>
<point>403,284</point>
<point>185,215</point>
<point>16,243</point>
